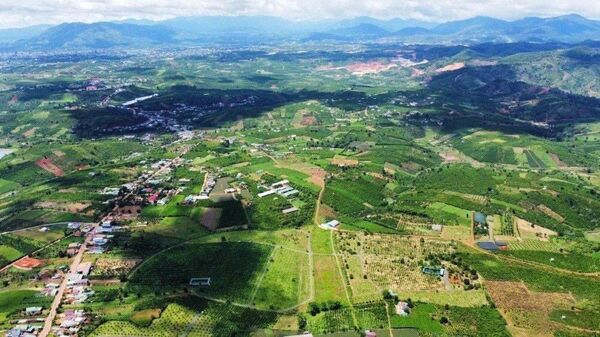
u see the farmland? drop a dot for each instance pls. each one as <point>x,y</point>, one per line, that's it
<point>324,187</point>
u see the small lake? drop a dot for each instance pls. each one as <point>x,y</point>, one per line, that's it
<point>4,152</point>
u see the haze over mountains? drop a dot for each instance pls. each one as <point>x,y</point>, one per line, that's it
<point>203,30</point>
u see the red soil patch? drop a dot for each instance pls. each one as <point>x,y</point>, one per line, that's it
<point>317,176</point>
<point>48,165</point>
<point>451,67</point>
<point>28,263</point>
<point>308,120</point>
<point>373,67</point>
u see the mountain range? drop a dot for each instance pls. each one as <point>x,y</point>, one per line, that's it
<point>206,30</point>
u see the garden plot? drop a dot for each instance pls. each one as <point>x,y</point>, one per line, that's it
<point>173,321</point>
<point>389,262</point>
<point>528,230</point>
<point>527,309</point>
<point>107,268</point>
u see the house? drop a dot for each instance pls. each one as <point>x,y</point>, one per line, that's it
<point>370,333</point>
<point>84,268</point>
<point>437,227</point>
<point>33,311</point>
<point>13,333</point>
<point>303,335</point>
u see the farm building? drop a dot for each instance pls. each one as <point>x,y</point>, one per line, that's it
<point>200,281</point>
<point>436,271</point>
<point>280,183</point>
<point>266,193</point>
<point>489,245</point>
<point>289,210</point>
<point>333,224</point>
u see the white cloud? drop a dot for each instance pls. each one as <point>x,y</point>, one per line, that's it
<point>18,13</point>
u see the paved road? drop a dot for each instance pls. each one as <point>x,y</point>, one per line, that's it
<point>61,290</point>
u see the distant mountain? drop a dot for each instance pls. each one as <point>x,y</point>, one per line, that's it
<point>251,30</point>
<point>469,26</point>
<point>390,25</point>
<point>99,35</point>
<point>361,30</point>
<point>11,35</point>
<point>568,28</point>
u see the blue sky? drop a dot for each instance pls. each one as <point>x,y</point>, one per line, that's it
<point>19,13</point>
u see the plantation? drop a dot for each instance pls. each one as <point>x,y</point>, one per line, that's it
<point>354,196</point>
<point>216,320</point>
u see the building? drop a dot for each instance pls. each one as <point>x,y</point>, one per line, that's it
<point>266,193</point>
<point>33,311</point>
<point>333,224</point>
<point>435,271</point>
<point>200,281</point>
<point>289,210</point>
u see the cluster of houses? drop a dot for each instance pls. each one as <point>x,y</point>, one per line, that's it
<point>78,290</point>
<point>70,322</point>
<point>25,329</point>
<point>209,185</point>
<point>99,237</point>
<point>29,325</point>
<point>282,188</point>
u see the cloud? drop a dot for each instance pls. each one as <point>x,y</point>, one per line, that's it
<point>18,13</point>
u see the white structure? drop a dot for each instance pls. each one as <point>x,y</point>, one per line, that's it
<point>333,224</point>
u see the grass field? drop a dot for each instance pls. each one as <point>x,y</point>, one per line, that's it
<point>285,282</point>
<point>329,285</point>
<point>449,213</point>
<point>173,269</point>
<point>11,300</point>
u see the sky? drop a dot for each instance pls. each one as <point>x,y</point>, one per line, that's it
<point>21,13</point>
